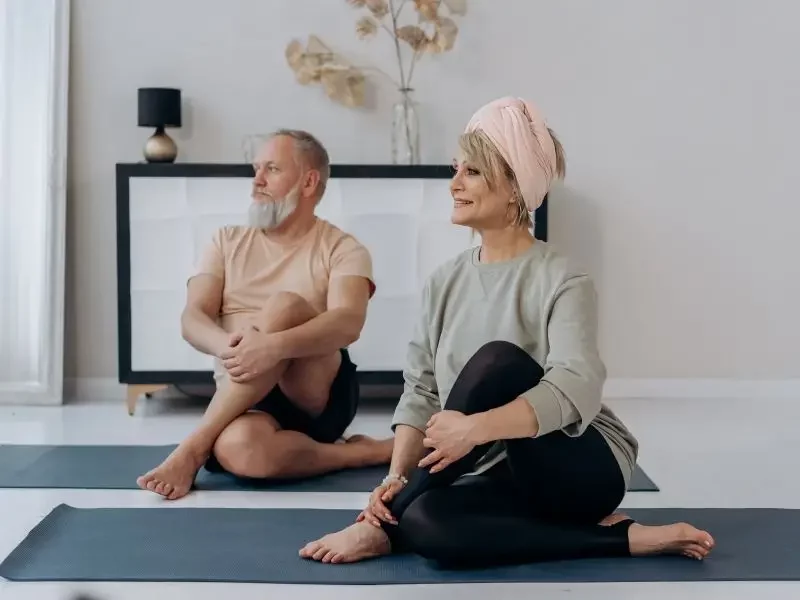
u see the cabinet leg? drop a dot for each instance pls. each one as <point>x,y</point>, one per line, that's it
<point>136,390</point>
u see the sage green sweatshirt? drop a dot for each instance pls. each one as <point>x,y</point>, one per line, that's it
<point>538,301</point>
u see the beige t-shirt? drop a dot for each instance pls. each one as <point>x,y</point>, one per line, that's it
<point>253,267</point>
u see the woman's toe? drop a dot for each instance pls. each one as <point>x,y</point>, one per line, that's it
<point>309,549</point>
<point>320,553</point>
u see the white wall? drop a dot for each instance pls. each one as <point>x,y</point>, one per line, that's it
<point>679,119</point>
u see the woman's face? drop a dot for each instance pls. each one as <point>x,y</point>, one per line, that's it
<point>474,203</point>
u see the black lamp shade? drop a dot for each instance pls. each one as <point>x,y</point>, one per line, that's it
<point>159,107</point>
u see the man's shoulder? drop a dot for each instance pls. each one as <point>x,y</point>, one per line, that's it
<point>227,234</point>
<point>335,239</point>
<point>235,232</point>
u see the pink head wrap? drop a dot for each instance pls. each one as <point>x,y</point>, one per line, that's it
<point>520,134</point>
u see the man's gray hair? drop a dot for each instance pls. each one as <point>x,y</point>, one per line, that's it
<point>310,151</point>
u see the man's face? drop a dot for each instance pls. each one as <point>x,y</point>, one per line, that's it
<point>276,170</point>
<point>276,184</point>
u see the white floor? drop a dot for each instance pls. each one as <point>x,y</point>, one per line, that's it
<point>722,453</point>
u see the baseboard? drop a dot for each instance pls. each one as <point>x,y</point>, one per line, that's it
<point>109,389</point>
<point>703,388</point>
<point>28,394</point>
<point>94,389</point>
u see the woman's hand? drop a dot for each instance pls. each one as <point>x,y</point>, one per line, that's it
<point>451,436</point>
<point>376,510</point>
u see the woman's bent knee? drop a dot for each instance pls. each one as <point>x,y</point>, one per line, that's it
<point>500,353</point>
<point>503,363</point>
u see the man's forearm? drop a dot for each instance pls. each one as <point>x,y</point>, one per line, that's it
<point>516,419</point>
<point>408,449</point>
<point>203,333</point>
<point>326,333</point>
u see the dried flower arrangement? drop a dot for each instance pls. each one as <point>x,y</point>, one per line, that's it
<point>343,82</point>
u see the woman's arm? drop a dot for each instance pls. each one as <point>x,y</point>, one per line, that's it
<point>516,419</point>
<point>420,398</point>
<point>408,450</point>
<point>570,392</point>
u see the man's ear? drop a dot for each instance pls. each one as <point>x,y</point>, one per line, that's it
<point>311,181</point>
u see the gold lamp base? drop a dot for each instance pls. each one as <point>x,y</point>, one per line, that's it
<point>160,148</point>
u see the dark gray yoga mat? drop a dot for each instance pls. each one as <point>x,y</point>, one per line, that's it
<point>117,467</point>
<point>261,546</point>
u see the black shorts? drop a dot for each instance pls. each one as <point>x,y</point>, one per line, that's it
<point>332,422</point>
<point>326,428</point>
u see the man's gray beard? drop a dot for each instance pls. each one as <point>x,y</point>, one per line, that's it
<point>270,214</point>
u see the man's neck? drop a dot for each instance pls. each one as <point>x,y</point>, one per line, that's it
<point>504,244</point>
<point>294,228</point>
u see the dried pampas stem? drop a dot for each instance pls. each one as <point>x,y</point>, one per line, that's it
<point>433,33</point>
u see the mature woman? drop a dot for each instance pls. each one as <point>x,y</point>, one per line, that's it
<point>504,452</point>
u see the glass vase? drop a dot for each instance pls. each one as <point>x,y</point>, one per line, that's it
<point>405,130</point>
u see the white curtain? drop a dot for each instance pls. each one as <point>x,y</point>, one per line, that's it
<point>34,44</point>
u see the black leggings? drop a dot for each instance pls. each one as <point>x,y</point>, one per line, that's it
<point>544,502</point>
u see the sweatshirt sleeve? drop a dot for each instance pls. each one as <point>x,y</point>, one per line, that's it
<point>569,395</point>
<point>420,398</point>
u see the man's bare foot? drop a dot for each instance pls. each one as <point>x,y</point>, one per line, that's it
<point>613,519</point>
<point>678,538</point>
<point>174,477</point>
<point>359,541</point>
<point>375,452</point>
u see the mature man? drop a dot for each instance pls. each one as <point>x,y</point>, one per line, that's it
<point>277,303</point>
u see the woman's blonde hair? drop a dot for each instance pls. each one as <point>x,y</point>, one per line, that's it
<point>481,153</point>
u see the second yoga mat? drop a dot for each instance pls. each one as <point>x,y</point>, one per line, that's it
<point>117,467</point>
<point>261,546</point>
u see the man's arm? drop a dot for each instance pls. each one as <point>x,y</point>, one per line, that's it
<point>333,329</point>
<point>199,318</point>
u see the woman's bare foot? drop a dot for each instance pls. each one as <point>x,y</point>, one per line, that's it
<point>359,541</point>
<point>174,477</point>
<point>678,538</point>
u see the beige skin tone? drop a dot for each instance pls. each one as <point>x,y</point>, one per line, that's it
<point>287,344</point>
<point>452,435</point>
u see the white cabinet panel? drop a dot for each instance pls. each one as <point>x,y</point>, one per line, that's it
<point>157,344</point>
<point>391,240</point>
<point>156,198</point>
<point>224,196</point>
<point>384,340</point>
<point>162,253</point>
<point>405,224</point>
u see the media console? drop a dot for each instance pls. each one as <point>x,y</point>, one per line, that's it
<point>167,213</point>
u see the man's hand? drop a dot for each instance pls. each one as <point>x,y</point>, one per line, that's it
<point>450,434</point>
<point>250,354</point>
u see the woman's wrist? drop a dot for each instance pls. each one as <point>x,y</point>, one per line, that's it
<point>479,429</point>
<point>517,419</point>
<point>394,476</point>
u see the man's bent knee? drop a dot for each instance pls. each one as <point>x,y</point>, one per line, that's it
<point>307,382</point>
<point>284,310</point>
<point>243,448</point>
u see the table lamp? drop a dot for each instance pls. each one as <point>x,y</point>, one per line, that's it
<point>160,108</point>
